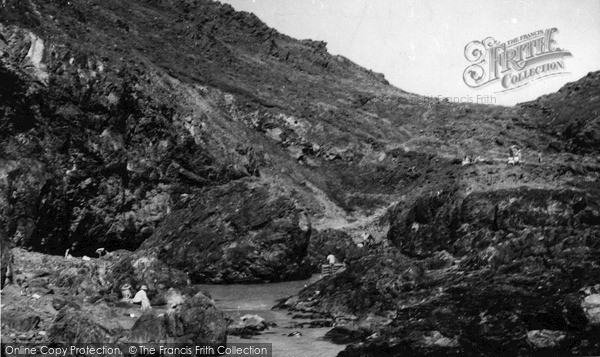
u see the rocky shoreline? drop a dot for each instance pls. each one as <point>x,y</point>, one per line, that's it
<point>63,301</point>
<point>197,145</point>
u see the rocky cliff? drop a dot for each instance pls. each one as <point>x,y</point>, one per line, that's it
<point>200,138</point>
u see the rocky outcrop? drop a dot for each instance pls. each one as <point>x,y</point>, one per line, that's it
<point>248,325</point>
<point>511,280</point>
<point>21,321</point>
<point>212,146</point>
<point>138,269</point>
<point>61,300</point>
<point>492,222</point>
<point>195,322</point>
<point>571,115</point>
<point>330,241</point>
<point>73,326</point>
<point>240,232</point>
<point>112,163</point>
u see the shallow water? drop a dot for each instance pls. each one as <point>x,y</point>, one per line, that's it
<point>257,299</point>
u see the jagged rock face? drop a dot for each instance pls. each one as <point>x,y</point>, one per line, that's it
<point>216,145</point>
<point>330,241</point>
<point>105,124</point>
<point>72,326</point>
<point>240,232</point>
<point>483,272</point>
<point>138,269</point>
<point>546,220</point>
<point>476,311</point>
<point>86,157</point>
<point>196,322</point>
<point>69,300</point>
<point>21,320</point>
<point>572,115</point>
<point>117,109</point>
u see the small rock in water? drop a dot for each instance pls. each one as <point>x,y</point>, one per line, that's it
<point>252,319</point>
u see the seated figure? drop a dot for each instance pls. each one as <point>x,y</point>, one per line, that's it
<point>142,298</point>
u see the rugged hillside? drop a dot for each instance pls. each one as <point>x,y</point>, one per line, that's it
<point>199,137</point>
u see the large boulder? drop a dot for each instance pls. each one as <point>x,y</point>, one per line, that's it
<point>197,322</point>
<point>248,325</point>
<point>144,268</point>
<point>244,231</point>
<point>74,325</point>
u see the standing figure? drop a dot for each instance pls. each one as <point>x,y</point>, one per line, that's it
<point>331,259</point>
<point>69,252</point>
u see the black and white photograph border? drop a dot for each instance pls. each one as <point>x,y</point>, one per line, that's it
<point>300,178</point>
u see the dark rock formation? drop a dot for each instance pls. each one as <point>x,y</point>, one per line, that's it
<point>240,232</point>
<point>73,326</point>
<point>196,322</point>
<point>82,304</point>
<point>545,221</point>
<point>138,269</point>
<point>20,320</point>
<point>524,256</point>
<point>223,151</point>
<point>569,115</point>
<point>329,241</point>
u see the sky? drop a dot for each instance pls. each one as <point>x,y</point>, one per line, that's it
<point>419,45</point>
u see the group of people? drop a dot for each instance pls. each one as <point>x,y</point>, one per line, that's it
<point>69,252</point>
<point>366,240</point>
<point>514,157</point>
<point>141,297</point>
<point>470,159</point>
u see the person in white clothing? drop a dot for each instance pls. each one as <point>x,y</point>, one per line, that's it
<point>142,298</point>
<point>331,259</point>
